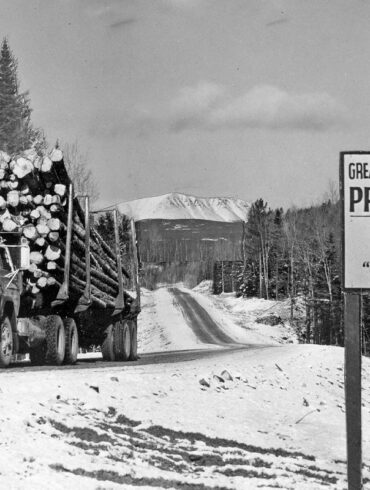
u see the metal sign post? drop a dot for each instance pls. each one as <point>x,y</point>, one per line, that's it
<point>355,199</point>
<point>353,389</point>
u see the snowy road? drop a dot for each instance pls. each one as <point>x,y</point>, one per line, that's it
<point>199,320</point>
<point>169,357</point>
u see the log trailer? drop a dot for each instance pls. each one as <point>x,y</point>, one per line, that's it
<point>80,302</point>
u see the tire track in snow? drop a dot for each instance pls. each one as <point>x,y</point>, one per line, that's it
<point>199,320</point>
<point>155,456</point>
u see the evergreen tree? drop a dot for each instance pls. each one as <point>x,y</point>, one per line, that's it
<point>277,256</point>
<point>296,254</point>
<point>16,130</point>
<point>259,235</point>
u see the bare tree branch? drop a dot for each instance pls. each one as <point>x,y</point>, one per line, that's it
<point>78,168</point>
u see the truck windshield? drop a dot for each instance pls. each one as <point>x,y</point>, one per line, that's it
<point>12,241</point>
<point>5,265</point>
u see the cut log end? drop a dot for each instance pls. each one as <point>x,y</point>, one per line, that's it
<point>56,155</point>
<point>52,253</point>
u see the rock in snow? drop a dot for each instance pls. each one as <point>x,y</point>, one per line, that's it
<point>204,381</point>
<point>225,374</point>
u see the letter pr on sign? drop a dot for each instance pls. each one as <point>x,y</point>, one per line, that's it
<point>355,194</point>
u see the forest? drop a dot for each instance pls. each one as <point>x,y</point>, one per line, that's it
<point>297,255</point>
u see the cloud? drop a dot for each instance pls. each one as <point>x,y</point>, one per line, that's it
<point>192,104</point>
<point>123,23</point>
<point>185,7</point>
<point>283,20</point>
<point>208,106</point>
<point>272,108</point>
<point>183,4</point>
<point>115,13</point>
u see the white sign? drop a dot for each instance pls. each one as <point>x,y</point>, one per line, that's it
<point>355,193</point>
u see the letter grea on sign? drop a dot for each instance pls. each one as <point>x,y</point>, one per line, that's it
<point>355,197</point>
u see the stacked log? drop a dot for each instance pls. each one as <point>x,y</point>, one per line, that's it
<point>34,193</point>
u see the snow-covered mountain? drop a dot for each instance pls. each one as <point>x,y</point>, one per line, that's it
<point>176,206</point>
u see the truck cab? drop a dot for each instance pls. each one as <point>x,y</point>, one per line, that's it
<point>14,258</point>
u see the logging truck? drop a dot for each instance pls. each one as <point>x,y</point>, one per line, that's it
<point>61,284</point>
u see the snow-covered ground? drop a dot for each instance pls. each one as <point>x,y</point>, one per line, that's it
<point>239,315</point>
<point>268,417</point>
<point>162,326</point>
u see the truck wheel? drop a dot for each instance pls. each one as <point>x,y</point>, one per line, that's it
<point>55,340</point>
<point>71,346</point>
<point>6,342</point>
<point>133,351</point>
<point>38,355</point>
<point>107,347</point>
<point>122,341</point>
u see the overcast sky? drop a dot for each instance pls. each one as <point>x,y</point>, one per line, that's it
<point>244,98</point>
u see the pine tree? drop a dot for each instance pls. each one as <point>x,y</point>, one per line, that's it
<point>16,130</point>
<point>258,238</point>
<point>277,255</point>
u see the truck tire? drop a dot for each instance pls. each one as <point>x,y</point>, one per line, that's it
<point>133,351</point>
<point>55,340</point>
<point>71,342</point>
<point>122,340</point>
<point>38,355</point>
<point>6,342</point>
<point>107,347</point>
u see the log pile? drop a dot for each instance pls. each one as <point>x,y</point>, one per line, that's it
<point>34,194</point>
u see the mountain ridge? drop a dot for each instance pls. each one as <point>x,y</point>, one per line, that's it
<point>176,205</point>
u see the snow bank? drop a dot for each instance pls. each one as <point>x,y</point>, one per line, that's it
<point>204,287</point>
<point>238,316</point>
<point>162,326</point>
<point>277,420</point>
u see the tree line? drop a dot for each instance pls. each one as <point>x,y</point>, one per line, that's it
<point>297,255</point>
<point>18,133</point>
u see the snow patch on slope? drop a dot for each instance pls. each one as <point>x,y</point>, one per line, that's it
<point>238,316</point>
<point>162,326</point>
<point>181,206</point>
